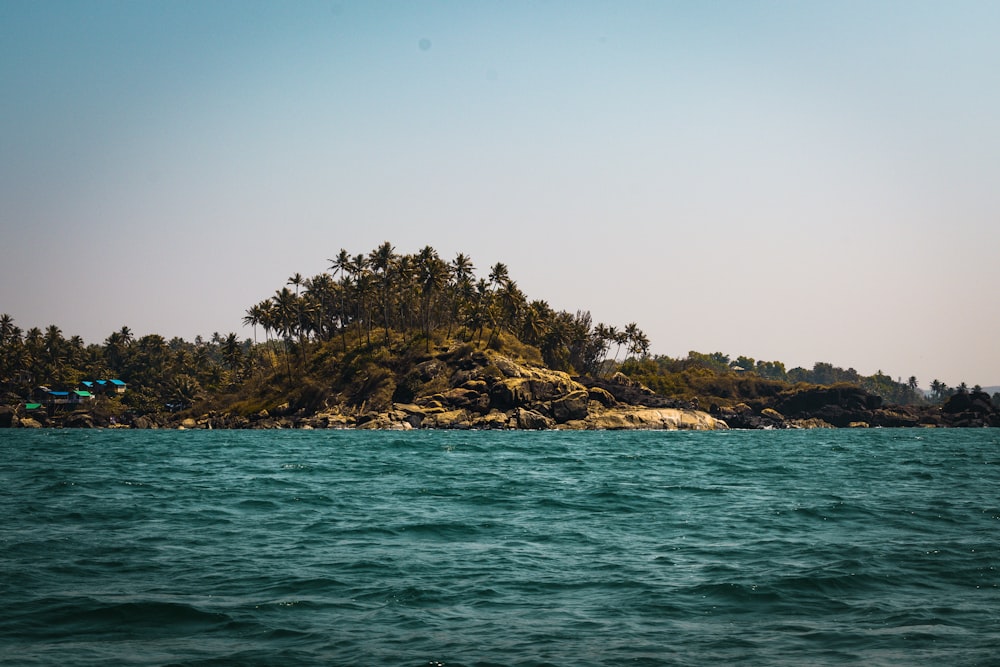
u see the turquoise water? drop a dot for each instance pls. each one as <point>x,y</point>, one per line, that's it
<point>847,547</point>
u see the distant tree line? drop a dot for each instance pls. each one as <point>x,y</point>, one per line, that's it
<point>160,373</point>
<point>700,373</point>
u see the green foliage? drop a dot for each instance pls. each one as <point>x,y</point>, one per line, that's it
<point>714,378</point>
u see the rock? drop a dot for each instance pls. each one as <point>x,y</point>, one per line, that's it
<point>602,396</point>
<point>858,425</point>
<point>479,386</point>
<point>452,419</point>
<point>340,421</point>
<point>613,420</point>
<point>505,365</point>
<point>838,405</point>
<point>572,406</point>
<point>189,423</point>
<point>531,420</point>
<point>144,423</point>
<point>30,422</point>
<point>492,420</point>
<point>977,402</point>
<point>895,417</point>
<point>465,398</point>
<point>771,413</point>
<point>655,419</point>
<point>79,420</point>
<point>809,423</point>
<point>7,416</point>
<point>387,422</point>
<point>629,392</point>
<point>510,393</point>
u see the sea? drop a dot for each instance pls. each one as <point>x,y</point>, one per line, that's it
<point>450,548</point>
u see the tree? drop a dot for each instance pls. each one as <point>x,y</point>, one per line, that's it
<point>6,329</point>
<point>232,353</point>
<point>772,370</point>
<point>285,313</point>
<point>432,275</point>
<point>342,265</point>
<point>382,261</point>
<point>297,280</point>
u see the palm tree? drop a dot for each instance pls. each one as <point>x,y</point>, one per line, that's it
<point>266,317</point>
<point>636,340</point>
<point>342,265</point>
<point>252,319</point>
<point>479,309</point>
<point>285,313</point>
<point>460,289</point>
<point>232,353</point>
<point>618,338</point>
<point>556,340</point>
<point>511,301</point>
<point>535,324</point>
<point>6,328</point>
<point>114,351</point>
<point>297,280</point>
<point>405,281</point>
<point>322,292</point>
<point>499,274</point>
<point>382,261</point>
<point>432,275</point>
<point>462,268</point>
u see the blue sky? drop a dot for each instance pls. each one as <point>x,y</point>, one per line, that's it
<point>799,181</point>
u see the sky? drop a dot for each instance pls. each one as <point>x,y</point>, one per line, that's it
<point>795,181</point>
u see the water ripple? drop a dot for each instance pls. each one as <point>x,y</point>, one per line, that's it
<point>341,548</point>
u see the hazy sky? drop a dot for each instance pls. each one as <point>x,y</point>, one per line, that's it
<point>795,181</point>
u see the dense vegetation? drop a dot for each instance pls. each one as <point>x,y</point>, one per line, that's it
<point>356,330</point>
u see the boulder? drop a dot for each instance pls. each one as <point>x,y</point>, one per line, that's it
<point>476,385</point>
<point>30,422</point>
<point>531,420</point>
<point>773,414</point>
<point>453,419</point>
<point>895,417</point>
<point>505,365</point>
<point>511,393</point>
<point>494,420</point>
<point>79,420</point>
<point>465,398</point>
<point>571,406</point>
<point>7,416</point>
<point>655,419</point>
<point>387,422</point>
<point>143,422</point>
<point>809,423</point>
<point>602,396</point>
<point>841,401</point>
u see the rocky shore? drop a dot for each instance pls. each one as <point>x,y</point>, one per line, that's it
<point>489,390</point>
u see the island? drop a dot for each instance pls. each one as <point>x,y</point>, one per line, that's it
<point>384,340</point>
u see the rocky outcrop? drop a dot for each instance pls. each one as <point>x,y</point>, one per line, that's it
<point>847,406</point>
<point>639,418</point>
